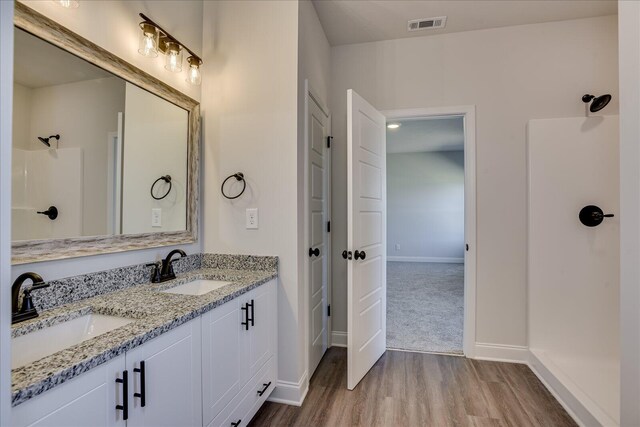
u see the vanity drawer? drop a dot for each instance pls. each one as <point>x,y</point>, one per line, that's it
<point>244,406</point>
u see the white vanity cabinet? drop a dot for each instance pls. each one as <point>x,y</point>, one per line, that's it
<point>172,363</point>
<point>238,357</point>
<point>164,379</point>
<point>88,400</point>
<point>215,370</point>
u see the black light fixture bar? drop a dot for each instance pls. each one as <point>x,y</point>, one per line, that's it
<point>169,36</point>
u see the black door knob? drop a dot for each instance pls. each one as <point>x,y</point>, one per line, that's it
<point>313,252</point>
<point>359,254</point>
<point>52,213</point>
<point>347,255</point>
<point>592,215</point>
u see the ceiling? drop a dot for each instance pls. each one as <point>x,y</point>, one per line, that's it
<point>39,64</point>
<point>359,21</point>
<point>420,135</point>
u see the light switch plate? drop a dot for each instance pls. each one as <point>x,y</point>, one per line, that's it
<point>156,217</point>
<point>252,218</point>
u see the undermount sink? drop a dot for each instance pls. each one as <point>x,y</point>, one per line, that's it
<point>197,287</point>
<point>44,342</point>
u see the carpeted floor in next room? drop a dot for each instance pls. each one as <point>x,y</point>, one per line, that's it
<point>425,306</point>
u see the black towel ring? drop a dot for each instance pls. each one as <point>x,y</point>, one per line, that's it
<point>167,179</point>
<point>240,177</point>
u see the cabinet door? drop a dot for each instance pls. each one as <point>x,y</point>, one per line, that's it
<point>261,341</point>
<point>223,339</point>
<point>172,379</point>
<point>85,401</point>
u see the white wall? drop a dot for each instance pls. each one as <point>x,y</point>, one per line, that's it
<point>155,145</point>
<point>6,108</point>
<point>113,25</point>
<point>250,125</point>
<point>629,33</point>
<point>511,74</point>
<point>425,206</point>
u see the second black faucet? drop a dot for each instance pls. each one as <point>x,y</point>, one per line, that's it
<point>164,271</point>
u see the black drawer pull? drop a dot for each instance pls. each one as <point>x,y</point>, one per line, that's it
<point>236,424</point>
<point>265,388</point>
<point>142,395</point>
<point>246,316</point>
<point>252,319</point>
<point>125,395</point>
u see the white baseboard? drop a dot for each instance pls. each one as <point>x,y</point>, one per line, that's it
<point>289,392</point>
<point>501,353</point>
<point>425,259</point>
<point>338,339</point>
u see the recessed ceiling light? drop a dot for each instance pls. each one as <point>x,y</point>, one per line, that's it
<point>393,125</point>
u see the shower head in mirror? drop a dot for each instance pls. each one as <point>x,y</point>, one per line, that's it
<point>46,142</point>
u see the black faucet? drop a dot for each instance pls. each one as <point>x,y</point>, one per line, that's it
<point>165,272</point>
<point>27,310</point>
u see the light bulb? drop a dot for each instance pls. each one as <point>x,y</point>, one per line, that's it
<point>174,57</point>
<point>194,77</point>
<point>148,41</point>
<point>69,4</point>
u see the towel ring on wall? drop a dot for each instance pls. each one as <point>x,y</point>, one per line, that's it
<point>165,178</point>
<point>238,176</point>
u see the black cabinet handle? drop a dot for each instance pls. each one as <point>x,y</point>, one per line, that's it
<point>265,388</point>
<point>142,395</point>
<point>360,254</point>
<point>252,318</point>
<point>314,252</point>
<point>236,424</point>
<point>246,316</point>
<point>125,395</point>
<point>346,254</point>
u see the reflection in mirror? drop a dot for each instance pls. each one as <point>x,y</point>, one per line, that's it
<point>88,146</point>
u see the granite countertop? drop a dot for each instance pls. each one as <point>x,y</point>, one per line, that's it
<point>153,313</point>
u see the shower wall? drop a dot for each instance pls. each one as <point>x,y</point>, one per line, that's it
<point>573,279</point>
<point>43,178</point>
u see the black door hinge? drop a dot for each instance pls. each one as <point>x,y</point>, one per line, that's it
<point>467,247</point>
<point>329,139</point>
<point>329,310</point>
<point>328,226</point>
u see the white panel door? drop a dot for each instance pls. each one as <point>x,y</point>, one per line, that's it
<point>318,211</point>
<point>172,379</point>
<point>366,237</point>
<point>86,401</point>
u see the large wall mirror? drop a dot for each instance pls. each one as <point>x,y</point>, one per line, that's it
<point>105,157</point>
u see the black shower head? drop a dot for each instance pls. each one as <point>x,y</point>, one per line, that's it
<point>45,141</point>
<point>597,103</point>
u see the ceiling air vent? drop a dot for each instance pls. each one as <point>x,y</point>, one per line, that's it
<point>427,24</point>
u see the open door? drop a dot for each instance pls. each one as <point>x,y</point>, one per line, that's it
<point>366,237</point>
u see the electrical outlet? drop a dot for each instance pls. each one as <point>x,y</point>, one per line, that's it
<point>252,218</point>
<point>156,217</point>
<point>397,246</point>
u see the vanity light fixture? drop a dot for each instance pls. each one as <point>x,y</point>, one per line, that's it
<point>69,4</point>
<point>154,38</point>
<point>194,76</point>
<point>148,40</point>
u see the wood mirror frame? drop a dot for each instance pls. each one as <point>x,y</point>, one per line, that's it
<point>29,251</point>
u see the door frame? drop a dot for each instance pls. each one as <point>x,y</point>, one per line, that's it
<point>468,112</point>
<point>311,94</point>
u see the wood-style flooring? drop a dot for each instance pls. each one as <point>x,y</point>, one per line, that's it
<point>417,389</point>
